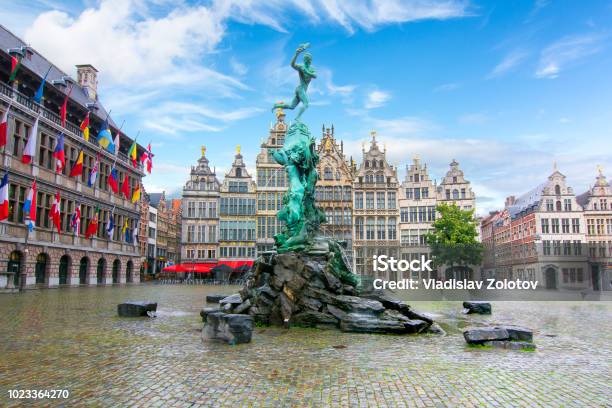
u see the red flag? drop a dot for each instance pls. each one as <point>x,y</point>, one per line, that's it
<point>125,187</point>
<point>64,107</point>
<point>54,213</point>
<point>77,168</point>
<point>147,158</point>
<point>4,126</point>
<point>92,228</point>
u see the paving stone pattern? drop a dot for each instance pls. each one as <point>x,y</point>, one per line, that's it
<point>72,338</point>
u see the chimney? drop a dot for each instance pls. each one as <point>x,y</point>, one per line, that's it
<point>510,200</point>
<point>87,77</point>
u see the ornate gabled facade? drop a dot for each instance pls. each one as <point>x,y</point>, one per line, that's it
<point>417,202</point>
<point>454,188</point>
<point>539,236</point>
<point>597,205</point>
<point>334,189</point>
<point>200,214</point>
<point>237,238</point>
<point>271,185</point>
<point>375,209</point>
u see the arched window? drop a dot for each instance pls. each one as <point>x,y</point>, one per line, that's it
<point>327,174</point>
<point>558,205</point>
<point>329,193</point>
<point>557,189</point>
<point>337,193</point>
<point>40,270</point>
<point>337,175</point>
<point>14,266</point>
<point>370,228</point>
<point>338,216</point>
<point>455,194</point>
<point>238,172</point>
<point>83,270</point>
<point>374,163</point>
<point>367,164</point>
<point>116,269</point>
<point>129,272</point>
<point>382,164</point>
<point>64,268</point>
<point>100,271</point>
<point>380,229</point>
<point>416,177</point>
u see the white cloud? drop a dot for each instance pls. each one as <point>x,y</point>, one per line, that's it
<point>406,125</point>
<point>509,62</point>
<point>376,99</point>
<point>566,52</point>
<point>237,67</point>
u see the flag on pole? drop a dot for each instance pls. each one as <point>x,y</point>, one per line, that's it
<point>125,187</point>
<point>125,231</point>
<point>116,144</point>
<point>92,228</point>
<point>105,138</point>
<point>136,194</point>
<point>75,219</point>
<point>4,197</point>
<point>93,174</point>
<point>54,213</point>
<point>29,207</point>
<point>135,232</point>
<point>77,168</point>
<point>113,180</point>
<point>58,154</point>
<point>29,150</point>
<point>110,229</point>
<point>64,108</point>
<point>15,64</point>
<point>147,158</point>
<point>41,89</point>
<point>132,153</point>
<point>4,126</point>
<point>85,127</point>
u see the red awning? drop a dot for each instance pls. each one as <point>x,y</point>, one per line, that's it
<point>199,267</point>
<point>206,267</point>
<point>174,268</point>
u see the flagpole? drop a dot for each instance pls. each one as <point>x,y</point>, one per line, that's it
<point>24,274</point>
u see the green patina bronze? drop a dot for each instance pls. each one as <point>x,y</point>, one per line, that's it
<point>300,215</point>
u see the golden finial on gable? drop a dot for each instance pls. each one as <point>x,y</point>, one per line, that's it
<point>328,144</point>
<point>600,169</point>
<point>238,149</point>
<point>203,148</point>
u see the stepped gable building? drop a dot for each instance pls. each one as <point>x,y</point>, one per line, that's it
<point>271,185</point>
<point>44,257</point>
<point>417,202</point>
<point>237,214</point>
<point>597,205</point>
<point>539,236</point>
<point>334,188</point>
<point>454,188</point>
<point>375,210</point>
<point>200,214</point>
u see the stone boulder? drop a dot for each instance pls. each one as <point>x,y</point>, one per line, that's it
<point>477,307</point>
<point>482,334</point>
<point>215,298</point>
<point>207,310</point>
<point>136,309</point>
<point>230,328</point>
<point>518,333</point>
<point>305,288</point>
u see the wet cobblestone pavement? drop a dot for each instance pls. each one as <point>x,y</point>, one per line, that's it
<point>72,339</point>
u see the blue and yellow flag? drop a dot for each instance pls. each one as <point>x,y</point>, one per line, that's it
<point>105,138</point>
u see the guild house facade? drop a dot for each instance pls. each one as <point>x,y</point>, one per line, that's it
<point>46,257</point>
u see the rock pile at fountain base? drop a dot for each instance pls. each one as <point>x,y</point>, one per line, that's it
<point>301,289</point>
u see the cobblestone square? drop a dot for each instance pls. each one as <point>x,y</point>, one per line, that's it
<point>72,339</point>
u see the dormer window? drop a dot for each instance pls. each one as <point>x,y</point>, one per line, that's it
<point>557,190</point>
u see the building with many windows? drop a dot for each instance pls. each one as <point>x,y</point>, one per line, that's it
<point>200,214</point>
<point>237,213</point>
<point>375,210</point>
<point>45,257</point>
<point>538,236</point>
<point>334,189</point>
<point>417,202</point>
<point>271,185</point>
<point>597,206</point>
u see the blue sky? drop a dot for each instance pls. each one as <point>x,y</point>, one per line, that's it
<point>507,88</point>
